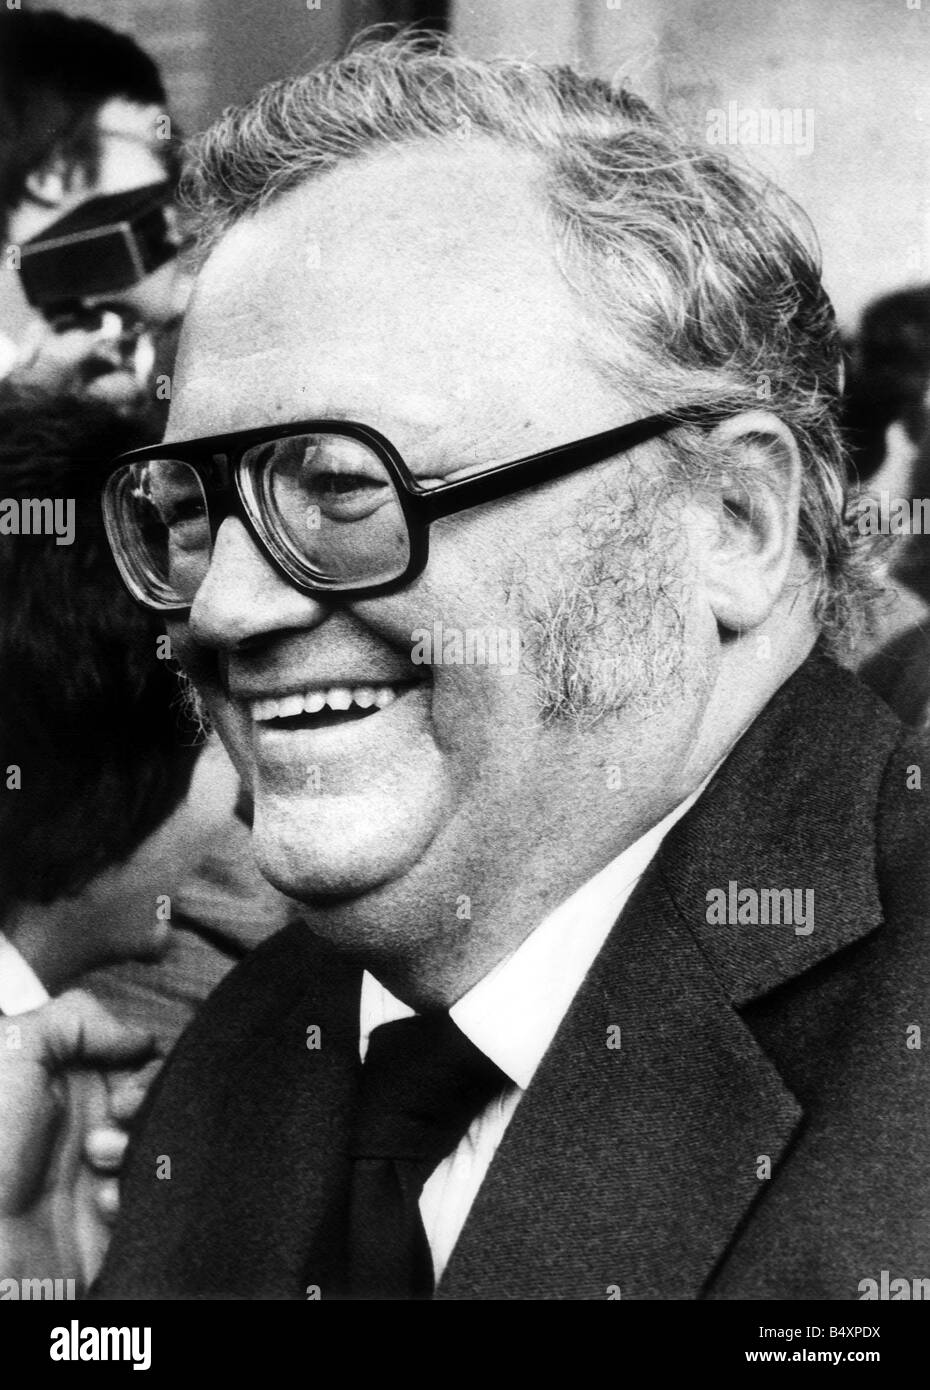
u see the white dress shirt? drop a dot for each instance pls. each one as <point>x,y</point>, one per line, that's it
<point>20,987</point>
<point>512,1015</point>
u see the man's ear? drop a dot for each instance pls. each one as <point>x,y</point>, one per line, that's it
<point>750,525</point>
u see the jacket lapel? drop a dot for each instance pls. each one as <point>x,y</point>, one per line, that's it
<point>627,1171</point>
<point>284,1135</point>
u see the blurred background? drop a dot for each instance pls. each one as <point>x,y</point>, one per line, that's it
<point>855,72</point>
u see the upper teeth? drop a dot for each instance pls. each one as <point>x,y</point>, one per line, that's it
<point>338,697</point>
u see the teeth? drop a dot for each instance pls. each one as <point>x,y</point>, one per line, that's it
<point>264,709</point>
<point>290,705</point>
<point>337,697</point>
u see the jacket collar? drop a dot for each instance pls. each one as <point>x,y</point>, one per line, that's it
<point>793,807</point>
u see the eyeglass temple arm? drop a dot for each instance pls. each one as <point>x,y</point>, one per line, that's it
<point>508,478</point>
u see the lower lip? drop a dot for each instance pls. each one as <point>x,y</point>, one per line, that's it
<point>273,744</point>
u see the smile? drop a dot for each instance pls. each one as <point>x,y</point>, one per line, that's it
<point>315,707</point>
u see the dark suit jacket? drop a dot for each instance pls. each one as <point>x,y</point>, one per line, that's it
<point>640,1169</point>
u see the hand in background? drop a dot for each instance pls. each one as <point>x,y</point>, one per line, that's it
<point>59,1149</point>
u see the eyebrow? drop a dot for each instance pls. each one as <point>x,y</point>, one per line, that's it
<point>436,450</point>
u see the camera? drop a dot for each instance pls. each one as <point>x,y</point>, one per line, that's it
<point>100,249</point>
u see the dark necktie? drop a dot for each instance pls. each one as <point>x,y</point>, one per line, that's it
<point>423,1083</point>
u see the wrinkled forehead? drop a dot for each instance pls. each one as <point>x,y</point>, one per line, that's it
<point>429,273</point>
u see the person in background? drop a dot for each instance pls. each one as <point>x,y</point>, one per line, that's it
<point>885,400</point>
<point>887,425</point>
<point>89,715</point>
<point>123,867</point>
<point>83,112</point>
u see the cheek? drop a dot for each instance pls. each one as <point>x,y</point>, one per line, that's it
<point>485,721</point>
<point>199,665</point>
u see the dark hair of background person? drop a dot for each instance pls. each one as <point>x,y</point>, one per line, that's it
<point>888,376</point>
<point>55,74</point>
<point>91,715</point>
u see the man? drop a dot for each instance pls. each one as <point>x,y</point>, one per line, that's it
<point>83,113</point>
<point>630,933</point>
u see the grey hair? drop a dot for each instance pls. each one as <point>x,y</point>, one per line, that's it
<point>702,281</point>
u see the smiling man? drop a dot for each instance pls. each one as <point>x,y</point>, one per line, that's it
<point>488,346</point>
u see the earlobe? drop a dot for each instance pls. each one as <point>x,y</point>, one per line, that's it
<point>755,501</point>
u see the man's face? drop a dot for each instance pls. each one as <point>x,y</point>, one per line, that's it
<point>131,154</point>
<point>418,293</point>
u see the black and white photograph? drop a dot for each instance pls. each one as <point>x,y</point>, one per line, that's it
<point>464,668</point>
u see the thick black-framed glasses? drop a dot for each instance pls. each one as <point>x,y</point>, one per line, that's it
<point>330,503</point>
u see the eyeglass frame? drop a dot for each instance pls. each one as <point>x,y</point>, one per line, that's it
<point>420,506</point>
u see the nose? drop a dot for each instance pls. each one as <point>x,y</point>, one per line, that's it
<point>243,598</point>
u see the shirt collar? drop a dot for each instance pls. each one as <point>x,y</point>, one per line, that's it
<point>21,990</point>
<point>513,1013</point>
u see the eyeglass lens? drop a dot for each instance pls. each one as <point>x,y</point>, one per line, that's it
<point>325,505</point>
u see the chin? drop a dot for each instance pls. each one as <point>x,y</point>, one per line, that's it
<point>336,850</point>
